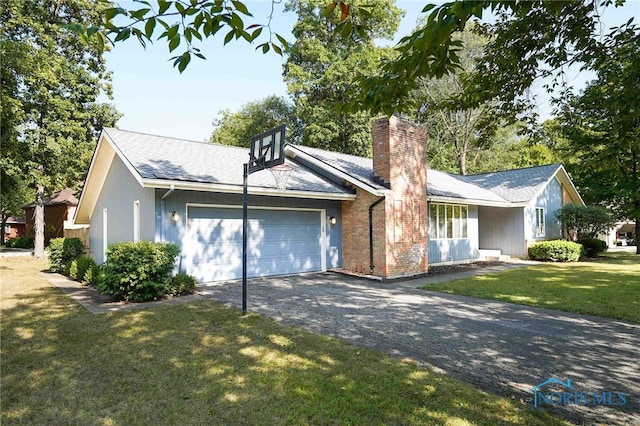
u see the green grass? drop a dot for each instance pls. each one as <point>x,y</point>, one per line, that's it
<point>608,286</point>
<point>201,363</point>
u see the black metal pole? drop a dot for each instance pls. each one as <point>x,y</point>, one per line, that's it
<point>244,238</point>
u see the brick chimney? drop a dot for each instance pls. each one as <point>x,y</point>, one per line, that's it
<point>400,222</point>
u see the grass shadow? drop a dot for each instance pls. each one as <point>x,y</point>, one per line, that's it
<point>201,363</point>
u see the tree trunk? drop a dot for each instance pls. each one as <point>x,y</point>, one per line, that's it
<point>462,162</point>
<point>38,219</point>
<point>4,223</point>
<point>636,237</point>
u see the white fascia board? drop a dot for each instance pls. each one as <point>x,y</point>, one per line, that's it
<point>470,201</point>
<point>565,177</point>
<point>236,189</point>
<point>573,187</point>
<point>94,182</point>
<point>93,161</point>
<point>124,159</point>
<point>338,173</point>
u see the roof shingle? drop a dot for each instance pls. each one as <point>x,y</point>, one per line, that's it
<point>164,158</point>
<point>517,185</point>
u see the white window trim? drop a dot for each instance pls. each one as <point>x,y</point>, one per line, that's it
<point>540,222</point>
<point>136,221</point>
<point>435,235</point>
<point>105,235</point>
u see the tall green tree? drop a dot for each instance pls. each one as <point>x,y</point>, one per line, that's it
<point>321,71</point>
<point>50,85</point>
<point>237,128</point>
<point>530,41</point>
<point>603,130</point>
<point>454,130</point>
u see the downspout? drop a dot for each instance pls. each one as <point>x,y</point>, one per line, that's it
<point>371,207</point>
<point>162,211</point>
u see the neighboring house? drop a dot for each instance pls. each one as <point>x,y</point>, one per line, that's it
<point>58,208</point>
<point>621,233</point>
<point>505,211</point>
<point>14,227</point>
<point>367,215</point>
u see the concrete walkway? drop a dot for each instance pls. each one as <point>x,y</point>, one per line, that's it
<point>13,252</point>
<point>501,348</point>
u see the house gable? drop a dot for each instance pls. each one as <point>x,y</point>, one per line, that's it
<point>101,163</point>
<point>115,202</point>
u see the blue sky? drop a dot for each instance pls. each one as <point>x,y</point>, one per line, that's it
<point>155,98</point>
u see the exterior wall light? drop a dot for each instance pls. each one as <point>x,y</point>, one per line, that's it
<point>333,220</point>
<point>175,217</point>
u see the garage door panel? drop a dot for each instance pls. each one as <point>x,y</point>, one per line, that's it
<point>278,242</point>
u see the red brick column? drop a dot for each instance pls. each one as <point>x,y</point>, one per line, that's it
<point>400,222</point>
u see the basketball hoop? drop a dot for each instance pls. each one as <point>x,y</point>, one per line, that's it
<point>281,174</point>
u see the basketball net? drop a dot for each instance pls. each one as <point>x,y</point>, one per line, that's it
<point>281,174</point>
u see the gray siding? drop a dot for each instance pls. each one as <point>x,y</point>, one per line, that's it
<point>551,200</point>
<point>117,195</point>
<point>178,200</point>
<point>457,250</point>
<point>502,229</point>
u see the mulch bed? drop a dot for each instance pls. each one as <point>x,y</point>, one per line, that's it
<point>448,269</point>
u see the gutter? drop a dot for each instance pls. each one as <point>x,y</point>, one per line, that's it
<point>371,207</point>
<point>162,210</point>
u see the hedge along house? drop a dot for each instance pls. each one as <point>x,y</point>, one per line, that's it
<point>493,214</point>
<point>145,187</point>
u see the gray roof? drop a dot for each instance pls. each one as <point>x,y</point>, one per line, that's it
<point>516,185</point>
<point>360,168</point>
<point>164,158</point>
<point>457,186</point>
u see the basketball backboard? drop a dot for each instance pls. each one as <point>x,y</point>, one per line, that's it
<point>267,149</point>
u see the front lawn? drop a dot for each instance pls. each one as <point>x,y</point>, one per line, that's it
<point>200,363</point>
<point>608,286</point>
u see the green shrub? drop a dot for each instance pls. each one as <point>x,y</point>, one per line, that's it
<point>63,251</point>
<point>555,251</point>
<point>592,246</point>
<point>138,272</point>
<point>93,275</point>
<point>80,266</point>
<point>180,285</point>
<point>20,242</point>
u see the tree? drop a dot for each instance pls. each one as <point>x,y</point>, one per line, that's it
<point>50,83</point>
<point>603,130</point>
<point>237,128</point>
<point>584,221</point>
<point>321,71</point>
<point>460,131</point>
<point>529,41</point>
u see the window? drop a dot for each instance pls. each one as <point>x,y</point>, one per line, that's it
<point>447,221</point>
<point>136,221</point>
<point>540,232</point>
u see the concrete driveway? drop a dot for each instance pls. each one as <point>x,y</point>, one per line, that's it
<point>498,347</point>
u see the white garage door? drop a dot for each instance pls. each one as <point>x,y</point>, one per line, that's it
<point>279,242</point>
